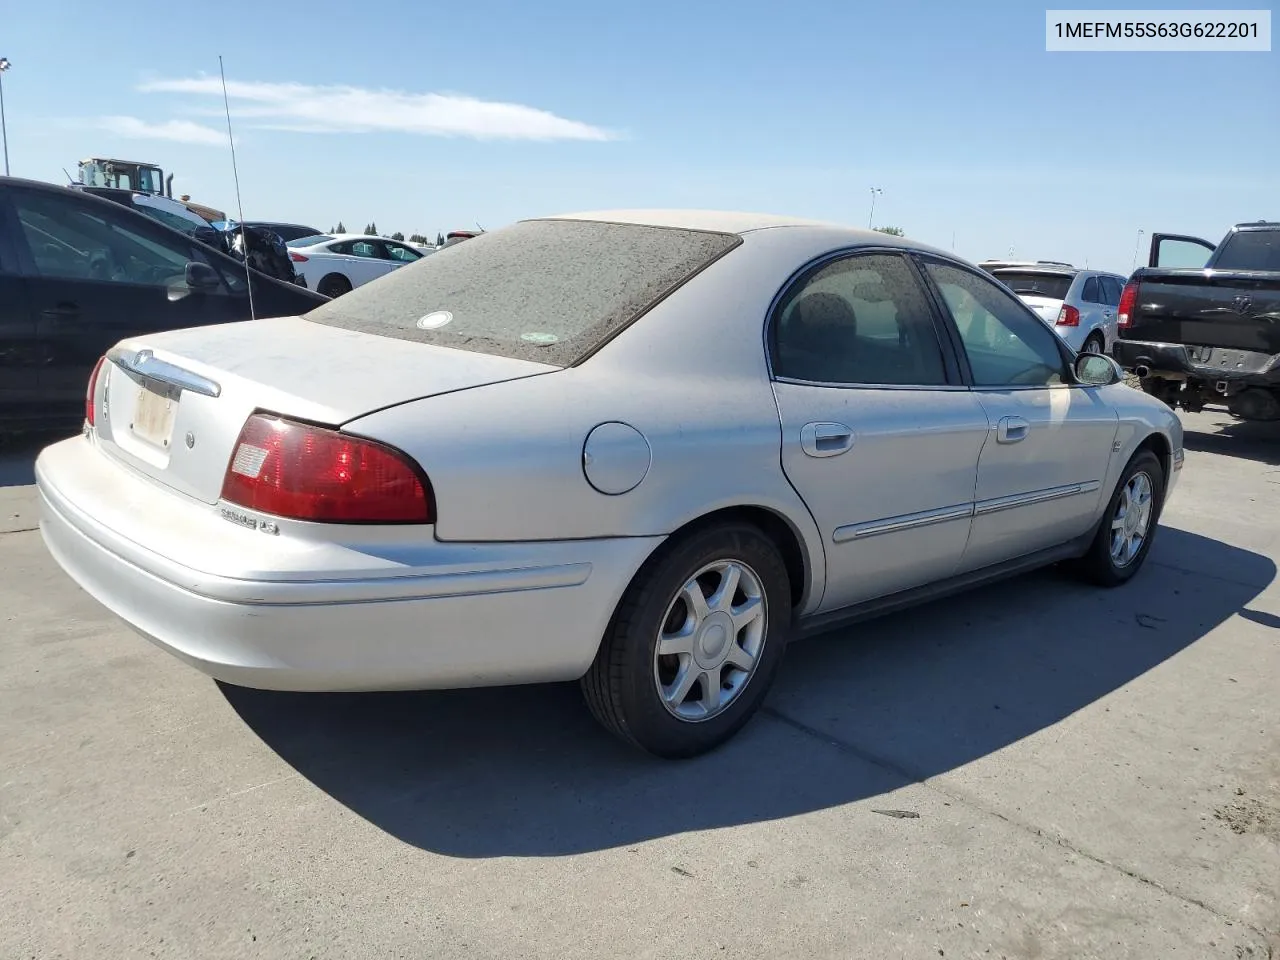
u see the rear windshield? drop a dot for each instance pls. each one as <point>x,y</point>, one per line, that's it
<point>309,241</point>
<point>545,290</point>
<point>1250,250</point>
<point>1054,286</point>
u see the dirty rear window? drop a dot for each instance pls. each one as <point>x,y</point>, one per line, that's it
<point>1031,283</point>
<point>545,290</point>
<point>1250,250</point>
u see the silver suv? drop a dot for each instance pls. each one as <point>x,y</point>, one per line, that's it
<point>1080,305</point>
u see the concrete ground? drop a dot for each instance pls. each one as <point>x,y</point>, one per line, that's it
<point>1035,770</point>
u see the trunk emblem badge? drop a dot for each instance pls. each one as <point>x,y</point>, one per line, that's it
<point>191,439</point>
<point>1241,305</point>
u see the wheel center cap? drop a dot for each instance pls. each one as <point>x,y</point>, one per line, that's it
<point>714,637</point>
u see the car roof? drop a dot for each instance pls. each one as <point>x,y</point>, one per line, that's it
<point>741,223</point>
<point>719,221</point>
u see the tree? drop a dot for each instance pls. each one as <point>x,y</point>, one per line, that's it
<point>371,230</point>
<point>418,238</point>
<point>398,236</point>
<point>439,239</point>
<point>891,231</point>
<point>341,228</point>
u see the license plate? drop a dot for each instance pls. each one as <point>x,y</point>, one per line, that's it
<point>153,416</point>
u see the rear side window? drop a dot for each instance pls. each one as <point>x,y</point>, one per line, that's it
<point>1030,283</point>
<point>1092,291</point>
<point>860,320</point>
<point>1250,250</point>
<point>550,291</point>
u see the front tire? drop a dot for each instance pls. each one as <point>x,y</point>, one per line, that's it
<point>695,643</point>
<point>1128,526</point>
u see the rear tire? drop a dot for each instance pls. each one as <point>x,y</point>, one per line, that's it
<point>1115,556</point>
<point>655,699</point>
<point>333,285</point>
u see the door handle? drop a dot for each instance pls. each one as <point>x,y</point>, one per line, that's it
<point>61,312</point>
<point>1011,430</point>
<point>825,439</point>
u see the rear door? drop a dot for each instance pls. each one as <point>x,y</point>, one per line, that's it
<point>1094,309</point>
<point>97,273</point>
<point>879,437</point>
<point>1041,469</point>
<point>363,260</point>
<point>1112,288</point>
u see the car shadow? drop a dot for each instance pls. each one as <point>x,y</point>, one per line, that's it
<point>525,771</point>
<point>1242,439</point>
<point>18,452</point>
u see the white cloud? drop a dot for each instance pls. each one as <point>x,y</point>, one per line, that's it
<point>343,109</point>
<point>182,131</point>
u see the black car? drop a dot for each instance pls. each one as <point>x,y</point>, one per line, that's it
<point>287,231</point>
<point>79,273</point>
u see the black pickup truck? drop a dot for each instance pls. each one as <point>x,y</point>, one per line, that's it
<point>1201,323</point>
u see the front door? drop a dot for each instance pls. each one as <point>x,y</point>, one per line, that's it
<point>97,273</point>
<point>19,351</point>
<point>1042,467</point>
<point>878,437</point>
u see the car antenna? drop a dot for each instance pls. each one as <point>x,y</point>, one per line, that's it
<point>244,241</point>
<point>69,179</point>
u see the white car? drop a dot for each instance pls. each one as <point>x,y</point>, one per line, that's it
<point>1080,305</point>
<point>642,449</point>
<point>334,264</point>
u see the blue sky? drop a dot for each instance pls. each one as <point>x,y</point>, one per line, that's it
<point>956,111</point>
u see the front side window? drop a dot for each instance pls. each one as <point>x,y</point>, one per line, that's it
<point>1006,344</point>
<point>1112,287</point>
<point>860,320</point>
<point>402,253</point>
<point>78,242</point>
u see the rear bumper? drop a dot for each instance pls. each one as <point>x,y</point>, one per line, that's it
<point>394,614</point>
<point>1204,363</point>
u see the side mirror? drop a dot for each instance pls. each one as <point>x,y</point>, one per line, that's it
<point>209,237</point>
<point>201,276</point>
<point>1097,370</point>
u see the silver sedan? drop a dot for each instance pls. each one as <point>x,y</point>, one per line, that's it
<point>640,449</point>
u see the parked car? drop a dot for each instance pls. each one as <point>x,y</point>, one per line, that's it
<point>1202,321</point>
<point>287,231</point>
<point>1080,305</point>
<point>79,273</point>
<point>168,211</point>
<point>640,449</point>
<point>335,264</point>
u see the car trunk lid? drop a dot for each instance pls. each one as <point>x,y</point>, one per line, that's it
<point>172,405</point>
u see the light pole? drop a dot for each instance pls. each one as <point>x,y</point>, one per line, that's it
<point>1136,243</point>
<point>4,132</point>
<point>871,216</point>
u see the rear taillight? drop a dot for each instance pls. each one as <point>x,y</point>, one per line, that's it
<point>1128,303</point>
<point>90,406</point>
<point>297,257</point>
<point>1068,316</point>
<point>305,472</point>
